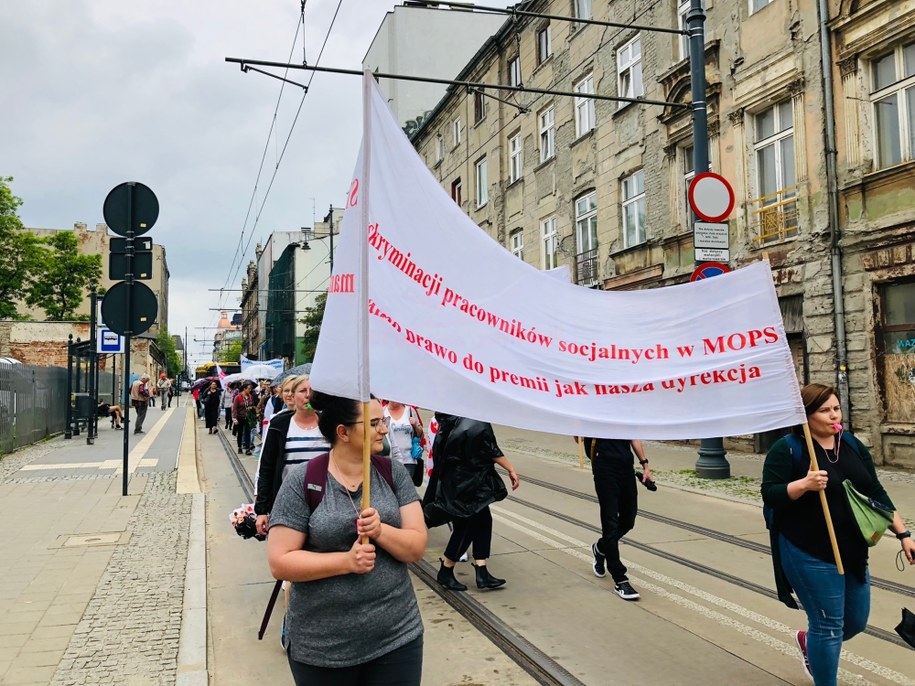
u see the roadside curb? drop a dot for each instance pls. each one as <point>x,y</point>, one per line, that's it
<point>192,646</point>
<point>188,481</point>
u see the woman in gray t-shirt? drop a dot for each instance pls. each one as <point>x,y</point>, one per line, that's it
<point>353,616</point>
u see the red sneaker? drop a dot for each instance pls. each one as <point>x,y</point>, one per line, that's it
<point>800,637</point>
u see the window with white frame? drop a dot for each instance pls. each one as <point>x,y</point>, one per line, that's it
<point>586,222</point>
<point>439,148</point>
<point>544,45</point>
<point>456,131</point>
<point>773,146</point>
<point>547,120</point>
<point>893,95</point>
<point>549,244</point>
<point>633,194</point>
<point>682,11</point>
<point>482,177</point>
<point>629,70</point>
<point>584,107</point>
<point>514,158</point>
<point>583,9</point>
<point>517,244</point>
<point>774,212</point>
<point>479,106</point>
<point>457,192</point>
<point>756,5</point>
<point>514,72</point>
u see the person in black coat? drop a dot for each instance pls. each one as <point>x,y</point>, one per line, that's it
<point>210,399</point>
<point>463,484</point>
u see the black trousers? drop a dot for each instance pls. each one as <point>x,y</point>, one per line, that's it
<point>228,411</point>
<point>243,435</point>
<point>476,529</point>
<point>618,498</point>
<point>401,667</point>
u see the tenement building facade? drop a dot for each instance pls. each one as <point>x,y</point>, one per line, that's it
<point>824,185</point>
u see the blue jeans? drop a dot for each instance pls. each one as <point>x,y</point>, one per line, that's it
<point>837,607</point>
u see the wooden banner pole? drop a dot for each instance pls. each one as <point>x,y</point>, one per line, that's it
<point>832,533</point>
<point>366,461</point>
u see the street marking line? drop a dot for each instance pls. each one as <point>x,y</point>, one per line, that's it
<point>140,449</point>
<point>525,524</point>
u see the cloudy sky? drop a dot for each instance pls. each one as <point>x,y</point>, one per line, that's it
<point>97,92</point>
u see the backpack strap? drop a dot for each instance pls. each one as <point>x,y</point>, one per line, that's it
<point>316,476</point>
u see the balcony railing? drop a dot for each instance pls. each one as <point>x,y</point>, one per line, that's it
<point>586,267</point>
<point>774,217</point>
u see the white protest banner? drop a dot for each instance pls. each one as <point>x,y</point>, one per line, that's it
<point>276,363</point>
<point>456,323</point>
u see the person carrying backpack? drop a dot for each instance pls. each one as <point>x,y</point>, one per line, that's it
<point>837,606</point>
<point>353,615</point>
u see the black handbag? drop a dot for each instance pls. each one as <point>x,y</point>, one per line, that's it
<point>906,628</point>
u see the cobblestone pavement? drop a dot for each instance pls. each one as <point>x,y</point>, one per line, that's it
<point>130,630</point>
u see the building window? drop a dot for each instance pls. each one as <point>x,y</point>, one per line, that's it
<point>514,72</point>
<point>547,134</point>
<point>586,239</point>
<point>517,243</point>
<point>896,349</point>
<point>629,70</point>
<point>893,95</point>
<point>544,45</point>
<point>514,158</point>
<point>457,193</point>
<point>689,173</point>
<point>479,106</point>
<point>439,148</point>
<point>682,11</point>
<point>549,244</point>
<point>584,107</point>
<point>756,5</point>
<point>482,178</point>
<point>456,131</point>
<point>583,9</point>
<point>633,193</point>
<point>775,211</point>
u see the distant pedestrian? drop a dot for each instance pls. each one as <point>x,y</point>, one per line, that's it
<point>171,391</point>
<point>228,395</point>
<point>139,399</point>
<point>353,616</point>
<point>211,400</point>
<point>113,411</point>
<point>464,483</point>
<point>163,386</point>
<point>615,484</point>
<point>242,412</point>
<point>405,426</point>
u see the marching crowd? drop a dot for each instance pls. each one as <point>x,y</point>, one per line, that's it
<point>351,613</point>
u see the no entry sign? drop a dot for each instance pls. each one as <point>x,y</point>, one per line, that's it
<point>711,197</point>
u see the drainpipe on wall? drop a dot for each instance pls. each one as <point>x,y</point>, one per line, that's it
<point>838,295</point>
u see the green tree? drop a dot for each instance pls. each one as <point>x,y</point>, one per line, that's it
<point>21,252</point>
<point>65,274</point>
<point>167,345</point>
<point>232,351</point>
<point>312,321</point>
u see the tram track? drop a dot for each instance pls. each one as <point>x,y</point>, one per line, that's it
<point>542,668</point>
<point>874,631</point>
<point>876,582</point>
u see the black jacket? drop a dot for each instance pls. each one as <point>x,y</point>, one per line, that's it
<point>464,478</point>
<point>271,463</point>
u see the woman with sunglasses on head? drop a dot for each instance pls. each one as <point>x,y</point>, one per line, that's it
<point>837,606</point>
<point>291,438</point>
<point>353,617</point>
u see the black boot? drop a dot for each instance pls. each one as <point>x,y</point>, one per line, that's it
<point>485,579</point>
<point>446,578</point>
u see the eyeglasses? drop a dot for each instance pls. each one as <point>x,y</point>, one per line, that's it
<point>377,423</point>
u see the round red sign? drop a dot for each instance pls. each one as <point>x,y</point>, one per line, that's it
<point>711,197</point>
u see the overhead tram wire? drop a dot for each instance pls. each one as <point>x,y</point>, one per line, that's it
<point>512,89</point>
<point>300,25</point>
<point>289,136</point>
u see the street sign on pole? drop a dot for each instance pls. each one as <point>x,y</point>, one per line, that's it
<point>131,206</point>
<point>109,343</point>
<point>712,255</point>
<point>708,235</point>
<point>143,308</point>
<point>118,266</point>
<point>711,197</point>
<point>709,269</point>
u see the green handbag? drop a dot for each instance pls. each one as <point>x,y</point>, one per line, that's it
<point>873,517</point>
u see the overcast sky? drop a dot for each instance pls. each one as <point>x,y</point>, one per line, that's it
<point>97,92</point>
